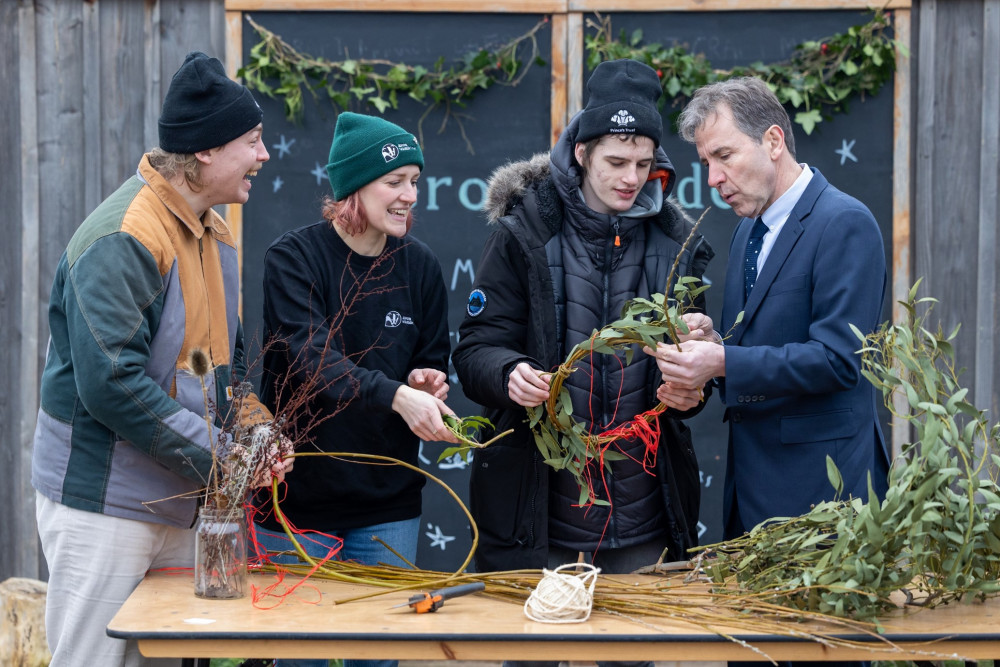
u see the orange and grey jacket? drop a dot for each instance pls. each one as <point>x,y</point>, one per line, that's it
<point>121,428</point>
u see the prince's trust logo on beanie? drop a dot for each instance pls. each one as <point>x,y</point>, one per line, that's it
<point>623,117</point>
<point>365,148</point>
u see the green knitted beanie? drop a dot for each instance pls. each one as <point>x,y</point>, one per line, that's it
<point>366,147</point>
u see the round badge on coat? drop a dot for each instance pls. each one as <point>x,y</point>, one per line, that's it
<point>477,302</point>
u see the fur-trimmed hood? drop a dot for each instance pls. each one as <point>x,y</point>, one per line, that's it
<point>509,182</point>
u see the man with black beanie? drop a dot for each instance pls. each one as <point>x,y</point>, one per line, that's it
<point>121,446</point>
<point>576,233</point>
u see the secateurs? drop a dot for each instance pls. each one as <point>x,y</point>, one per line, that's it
<point>425,602</point>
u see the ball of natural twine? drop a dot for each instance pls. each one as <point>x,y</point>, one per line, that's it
<point>561,597</point>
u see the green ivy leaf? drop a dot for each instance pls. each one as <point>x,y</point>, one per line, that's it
<point>808,119</point>
<point>849,68</point>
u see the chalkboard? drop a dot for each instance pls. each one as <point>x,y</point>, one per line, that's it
<point>501,124</point>
<point>854,151</point>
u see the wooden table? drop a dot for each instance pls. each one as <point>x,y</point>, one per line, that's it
<point>169,621</point>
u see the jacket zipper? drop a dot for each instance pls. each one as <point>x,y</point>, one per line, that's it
<point>606,475</point>
<point>204,286</point>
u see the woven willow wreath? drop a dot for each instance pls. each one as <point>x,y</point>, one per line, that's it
<point>565,443</point>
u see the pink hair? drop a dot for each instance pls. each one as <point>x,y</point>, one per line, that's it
<point>350,214</point>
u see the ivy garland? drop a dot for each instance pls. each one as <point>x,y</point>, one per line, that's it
<point>817,80</point>
<point>820,76</point>
<point>380,83</point>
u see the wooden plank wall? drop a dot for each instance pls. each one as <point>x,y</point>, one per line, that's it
<point>955,176</point>
<point>18,520</point>
<point>88,80</point>
<point>84,82</point>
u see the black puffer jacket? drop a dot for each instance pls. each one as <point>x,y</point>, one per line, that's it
<point>522,311</point>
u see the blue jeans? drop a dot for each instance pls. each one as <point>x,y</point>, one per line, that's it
<point>358,546</point>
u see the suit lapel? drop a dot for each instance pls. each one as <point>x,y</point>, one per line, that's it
<point>790,233</point>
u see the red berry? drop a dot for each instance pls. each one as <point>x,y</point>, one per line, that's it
<point>659,73</point>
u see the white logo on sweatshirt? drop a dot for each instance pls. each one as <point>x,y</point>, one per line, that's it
<point>393,319</point>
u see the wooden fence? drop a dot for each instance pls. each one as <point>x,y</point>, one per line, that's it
<point>83,82</point>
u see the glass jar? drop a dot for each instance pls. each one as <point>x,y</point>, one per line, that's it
<point>220,565</point>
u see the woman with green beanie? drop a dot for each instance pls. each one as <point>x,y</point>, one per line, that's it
<point>357,302</point>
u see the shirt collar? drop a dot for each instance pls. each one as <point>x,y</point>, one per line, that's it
<point>778,212</point>
<point>177,204</point>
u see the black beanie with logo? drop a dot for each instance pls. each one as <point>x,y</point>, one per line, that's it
<point>204,108</point>
<point>622,100</point>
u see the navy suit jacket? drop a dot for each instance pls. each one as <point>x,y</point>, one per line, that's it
<point>793,390</point>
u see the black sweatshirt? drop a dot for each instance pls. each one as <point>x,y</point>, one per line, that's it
<point>356,326</point>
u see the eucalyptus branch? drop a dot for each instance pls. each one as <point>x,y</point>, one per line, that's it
<point>935,535</point>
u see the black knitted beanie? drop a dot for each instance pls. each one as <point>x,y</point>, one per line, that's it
<point>622,100</point>
<point>204,108</point>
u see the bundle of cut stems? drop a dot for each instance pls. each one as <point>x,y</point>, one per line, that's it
<point>658,599</point>
<point>685,595</point>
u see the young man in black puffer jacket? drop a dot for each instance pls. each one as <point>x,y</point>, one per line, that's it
<point>577,233</point>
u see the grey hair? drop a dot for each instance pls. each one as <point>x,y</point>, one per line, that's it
<point>173,164</point>
<point>753,105</point>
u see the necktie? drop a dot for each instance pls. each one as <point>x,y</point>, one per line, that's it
<point>753,250</point>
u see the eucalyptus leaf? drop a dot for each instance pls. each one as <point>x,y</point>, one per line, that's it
<point>833,474</point>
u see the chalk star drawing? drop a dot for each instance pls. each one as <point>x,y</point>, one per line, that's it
<point>420,454</point>
<point>319,172</point>
<point>277,183</point>
<point>845,151</point>
<point>701,528</point>
<point>438,539</point>
<point>283,147</point>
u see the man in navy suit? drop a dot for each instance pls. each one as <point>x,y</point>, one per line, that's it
<point>787,370</point>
